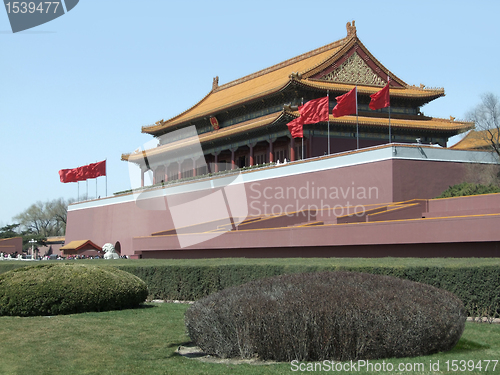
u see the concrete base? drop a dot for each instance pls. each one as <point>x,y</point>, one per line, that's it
<point>322,190</point>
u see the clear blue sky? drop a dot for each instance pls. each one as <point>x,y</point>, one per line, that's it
<point>78,89</point>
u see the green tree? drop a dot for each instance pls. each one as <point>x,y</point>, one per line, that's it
<point>9,231</point>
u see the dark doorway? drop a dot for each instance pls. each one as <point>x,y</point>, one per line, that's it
<point>241,162</point>
<point>118,248</point>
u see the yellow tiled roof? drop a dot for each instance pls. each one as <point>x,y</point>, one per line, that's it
<point>402,92</point>
<point>206,137</point>
<point>277,77</point>
<point>250,87</point>
<point>75,245</point>
<point>476,140</point>
<point>431,124</point>
<point>428,124</point>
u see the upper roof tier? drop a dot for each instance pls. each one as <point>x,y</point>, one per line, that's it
<point>337,67</point>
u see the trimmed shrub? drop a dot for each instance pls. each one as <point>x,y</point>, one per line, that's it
<point>467,188</point>
<point>67,288</point>
<point>477,285</point>
<point>329,315</point>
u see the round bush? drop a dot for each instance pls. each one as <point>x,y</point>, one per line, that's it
<point>66,288</point>
<point>330,315</point>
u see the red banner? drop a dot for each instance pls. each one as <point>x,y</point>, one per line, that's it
<point>346,104</point>
<point>86,172</point>
<point>296,127</point>
<point>68,175</point>
<point>380,99</point>
<point>314,111</point>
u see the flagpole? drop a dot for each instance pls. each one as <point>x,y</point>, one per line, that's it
<point>302,134</point>
<point>357,123</point>
<point>106,177</point>
<point>78,183</point>
<point>328,96</point>
<point>390,135</point>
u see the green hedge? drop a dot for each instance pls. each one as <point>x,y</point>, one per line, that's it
<point>477,287</point>
<point>475,281</point>
<point>467,188</point>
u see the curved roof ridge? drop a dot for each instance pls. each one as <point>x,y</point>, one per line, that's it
<point>160,124</point>
<point>336,44</point>
<point>285,63</point>
<point>347,46</point>
<point>452,119</point>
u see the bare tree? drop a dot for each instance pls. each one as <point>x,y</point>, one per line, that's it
<point>486,117</point>
<point>45,219</point>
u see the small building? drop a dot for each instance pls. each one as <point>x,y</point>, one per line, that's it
<point>11,245</point>
<point>81,248</point>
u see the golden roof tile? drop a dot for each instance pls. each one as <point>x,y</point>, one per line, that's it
<point>476,140</point>
<point>250,87</point>
<point>277,77</point>
<point>206,137</point>
<point>431,124</point>
<point>436,124</point>
<point>76,245</point>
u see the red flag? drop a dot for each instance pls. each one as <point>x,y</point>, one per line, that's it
<point>96,169</point>
<point>380,99</point>
<point>93,170</point>
<point>346,104</point>
<point>68,175</point>
<point>314,111</point>
<point>296,127</point>
<point>81,173</point>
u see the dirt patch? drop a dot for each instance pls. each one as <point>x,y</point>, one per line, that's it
<point>194,352</point>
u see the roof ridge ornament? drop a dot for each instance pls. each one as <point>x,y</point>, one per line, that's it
<point>351,28</point>
<point>296,75</point>
<point>215,83</point>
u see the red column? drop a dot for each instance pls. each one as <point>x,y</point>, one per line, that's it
<point>216,166</point>
<point>166,172</point>
<point>194,167</point>
<point>179,174</point>
<point>233,164</point>
<point>142,177</point>
<point>251,155</point>
<point>271,154</point>
<point>292,149</point>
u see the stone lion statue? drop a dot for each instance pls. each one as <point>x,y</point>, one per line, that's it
<point>109,251</point>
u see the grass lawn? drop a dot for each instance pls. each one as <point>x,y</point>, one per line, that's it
<point>144,340</point>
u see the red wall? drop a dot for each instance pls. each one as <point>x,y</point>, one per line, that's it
<point>362,184</point>
<point>11,245</point>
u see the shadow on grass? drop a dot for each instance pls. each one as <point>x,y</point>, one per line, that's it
<point>146,306</point>
<point>467,346</point>
<point>185,345</point>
